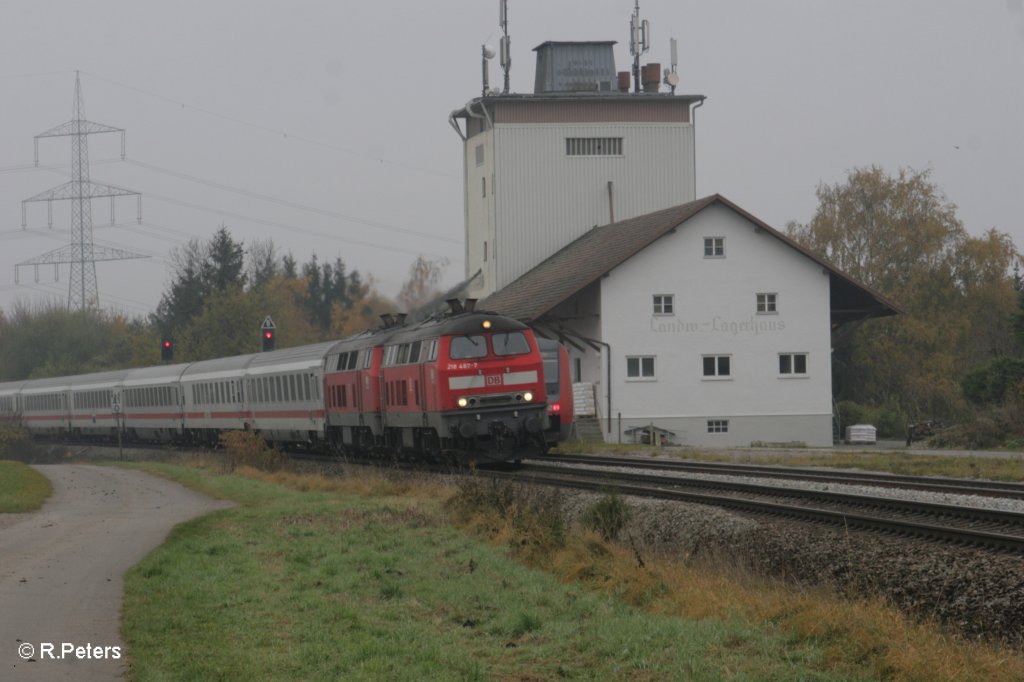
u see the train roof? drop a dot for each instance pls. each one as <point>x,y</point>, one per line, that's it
<point>297,357</point>
<point>217,368</point>
<point>361,340</point>
<point>158,374</point>
<point>84,382</point>
<point>457,325</point>
<point>8,387</point>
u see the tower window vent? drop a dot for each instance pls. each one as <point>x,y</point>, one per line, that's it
<point>593,146</point>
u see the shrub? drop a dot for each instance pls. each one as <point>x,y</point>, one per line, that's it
<point>247,448</point>
<point>15,441</point>
<point>889,418</point>
<point>995,382</point>
<point>531,517</point>
<point>608,516</point>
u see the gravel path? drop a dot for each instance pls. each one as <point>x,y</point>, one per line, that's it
<point>61,568</point>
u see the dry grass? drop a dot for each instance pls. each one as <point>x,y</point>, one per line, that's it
<point>861,637</point>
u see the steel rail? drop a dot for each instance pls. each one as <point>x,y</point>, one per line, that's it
<point>675,489</point>
<point>956,486</point>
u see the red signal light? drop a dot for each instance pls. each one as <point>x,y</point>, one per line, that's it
<point>555,407</point>
<point>167,349</point>
<point>268,334</point>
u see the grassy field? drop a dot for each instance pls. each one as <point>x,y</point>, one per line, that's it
<point>22,488</point>
<point>371,578</point>
<point>1010,468</point>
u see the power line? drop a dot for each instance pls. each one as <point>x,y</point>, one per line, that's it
<point>294,228</point>
<point>274,131</point>
<point>286,203</point>
<point>289,204</point>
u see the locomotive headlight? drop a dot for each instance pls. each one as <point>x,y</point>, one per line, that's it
<point>486,324</point>
<point>527,396</point>
<point>462,402</point>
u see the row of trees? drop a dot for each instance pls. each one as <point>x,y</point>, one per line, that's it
<point>219,293</point>
<point>962,300</point>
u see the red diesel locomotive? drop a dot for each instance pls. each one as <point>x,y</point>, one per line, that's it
<point>471,385</point>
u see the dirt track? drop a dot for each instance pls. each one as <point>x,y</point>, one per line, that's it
<point>61,568</point>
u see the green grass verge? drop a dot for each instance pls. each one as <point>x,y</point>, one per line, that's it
<point>22,488</point>
<point>330,585</point>
<point>1009,468</point>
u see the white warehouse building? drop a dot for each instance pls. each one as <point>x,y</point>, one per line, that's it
<point>689,316</point>
<point>700,320</point>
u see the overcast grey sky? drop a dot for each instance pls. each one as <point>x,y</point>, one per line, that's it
<point>322,124</point>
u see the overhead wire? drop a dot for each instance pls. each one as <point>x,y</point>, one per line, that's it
<point>273,131</point>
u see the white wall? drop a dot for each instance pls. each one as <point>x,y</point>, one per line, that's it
<point>479,213</point>
<point>715,313</point>
<point>543,199</point>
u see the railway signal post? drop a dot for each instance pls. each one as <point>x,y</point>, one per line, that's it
<point>268,331</point>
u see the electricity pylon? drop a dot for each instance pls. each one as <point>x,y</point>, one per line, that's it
<point>81,253</point>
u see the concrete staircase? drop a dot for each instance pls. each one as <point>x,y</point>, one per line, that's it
<point>586,426</point>
<point>588,429</point>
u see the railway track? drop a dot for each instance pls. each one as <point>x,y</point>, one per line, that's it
<point>998,530</point>
<point>954,486</point>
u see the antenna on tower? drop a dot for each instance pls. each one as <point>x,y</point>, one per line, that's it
<point>639,42</point>
<point>81,253</point>
<point>671,75</point>
<point>504,45</point>
<point>487,53</point>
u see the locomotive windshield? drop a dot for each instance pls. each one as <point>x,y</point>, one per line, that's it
<point>510,343</point>
<point>465,347</point>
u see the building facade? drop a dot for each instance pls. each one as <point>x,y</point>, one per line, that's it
<point>701,321</point>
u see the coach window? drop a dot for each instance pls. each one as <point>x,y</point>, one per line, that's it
<point>403,354</point>
<point>414,351</point>
<point>466,347</point>
<point>432,352</point>
<point>510,343</point>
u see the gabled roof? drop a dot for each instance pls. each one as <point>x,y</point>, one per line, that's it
<point>605,247</point>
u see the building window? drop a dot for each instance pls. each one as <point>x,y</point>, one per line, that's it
<point>479,155</point>
<point>793,364</point>
<point>714,247</point>
<point>716,366</point>
<point>593,146</point>
<point>485,252</point>
<point>718,426</point>
<point>640,367</point>
<point>483,187</point>
<point>663,304</point>
<point>766,303</point>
